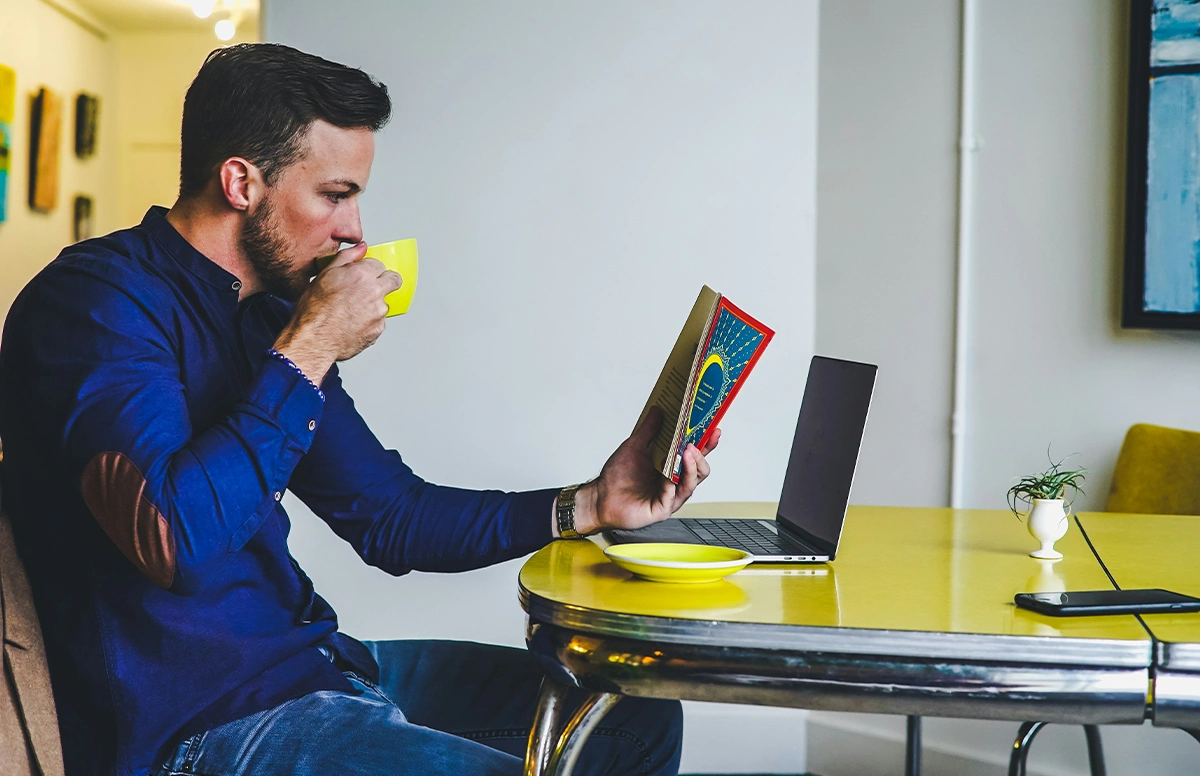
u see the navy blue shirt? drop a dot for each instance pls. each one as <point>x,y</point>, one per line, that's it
<point>148,438</point>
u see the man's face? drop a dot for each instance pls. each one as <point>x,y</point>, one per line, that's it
<point>310,210</point>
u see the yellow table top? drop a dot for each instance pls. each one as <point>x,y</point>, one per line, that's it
<point>1152,551</point>
<point>927,582</point>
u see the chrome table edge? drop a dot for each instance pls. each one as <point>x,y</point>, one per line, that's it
<point>841,682</point>
<point>1177,656</point>
<point>1176,685</point>
<point>1176,699</point>
<point>1108,653</point>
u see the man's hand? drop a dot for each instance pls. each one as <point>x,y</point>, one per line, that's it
<point>630,493</point>
<point>340,315</point>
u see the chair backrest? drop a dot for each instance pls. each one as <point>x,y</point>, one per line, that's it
<point>1157,472</point>
<point>29,736</point>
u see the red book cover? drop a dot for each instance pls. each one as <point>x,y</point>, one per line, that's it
<point>732,346</point>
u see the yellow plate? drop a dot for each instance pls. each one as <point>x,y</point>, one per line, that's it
<point>666,562</point>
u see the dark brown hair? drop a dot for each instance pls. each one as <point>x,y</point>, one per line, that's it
<point>257,101</point>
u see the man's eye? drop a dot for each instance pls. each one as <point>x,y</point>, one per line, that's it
<point>337,196</point>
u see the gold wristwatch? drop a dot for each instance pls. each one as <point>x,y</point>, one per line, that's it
<point>564,510</point>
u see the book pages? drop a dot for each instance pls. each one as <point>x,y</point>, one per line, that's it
<point>670,392</point>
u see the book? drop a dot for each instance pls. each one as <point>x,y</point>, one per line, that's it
<point>712,357</point>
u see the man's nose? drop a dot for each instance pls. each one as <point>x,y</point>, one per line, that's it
<point>348,228</point>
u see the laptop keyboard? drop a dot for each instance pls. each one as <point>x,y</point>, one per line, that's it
<point>748,535</point>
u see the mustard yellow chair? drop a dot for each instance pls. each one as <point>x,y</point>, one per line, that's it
<point>1157,472</point>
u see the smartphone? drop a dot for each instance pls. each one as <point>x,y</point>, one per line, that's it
<point>1147,601</point>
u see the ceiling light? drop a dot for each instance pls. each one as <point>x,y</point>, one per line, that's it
<point>225,29</point>
<point>203,8</point>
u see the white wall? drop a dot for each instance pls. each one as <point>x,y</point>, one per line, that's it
<point>1050,251</point>
<point>154,70</point>
<point>46,48</point>
<point>140,77</point>
<point>1048,362</point>
<point>573,173</point>
<point>886,173</point>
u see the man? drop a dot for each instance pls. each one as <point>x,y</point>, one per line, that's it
<point>164,385</point>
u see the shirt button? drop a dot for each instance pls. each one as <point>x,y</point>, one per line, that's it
<point>278,496</point>
<point>312,425</point>
<point>237,285</point>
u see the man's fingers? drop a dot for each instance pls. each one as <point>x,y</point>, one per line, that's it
<point>665,505</point>
<point>391,281</point>
<point>711,444</point>
<point>703,468</point>
<point>690,477</point>
<point>374,266</point>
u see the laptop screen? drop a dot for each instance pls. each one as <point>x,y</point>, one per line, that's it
<point>816,488</point>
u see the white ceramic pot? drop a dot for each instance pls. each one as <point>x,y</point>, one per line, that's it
<point>1047,522</point>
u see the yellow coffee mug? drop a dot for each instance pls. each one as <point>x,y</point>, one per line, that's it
<point>400,256</point>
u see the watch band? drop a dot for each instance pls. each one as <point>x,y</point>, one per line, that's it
<point>564,511</point>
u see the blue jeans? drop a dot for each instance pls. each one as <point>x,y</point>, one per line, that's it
<point>441,707</point>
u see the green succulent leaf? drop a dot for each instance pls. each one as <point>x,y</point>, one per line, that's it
<point>1052,483</point>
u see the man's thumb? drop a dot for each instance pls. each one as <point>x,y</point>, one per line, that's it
<point>349,255</point>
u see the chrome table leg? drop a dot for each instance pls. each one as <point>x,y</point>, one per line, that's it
<point>577,730</point>
<point>1095,749</point>
<point>545,727</point>
<point>912,747</point>
<point>1016,763</point>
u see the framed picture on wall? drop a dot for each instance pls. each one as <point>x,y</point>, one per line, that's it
<point>83,218</point>
<point>1162,199</point>
<point>87,118</point>
<point>45,128</point>
<point>8,99</point>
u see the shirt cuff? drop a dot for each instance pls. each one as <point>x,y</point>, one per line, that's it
<point>530,522</point>
<point>273,353</point>
<point>287,395</point>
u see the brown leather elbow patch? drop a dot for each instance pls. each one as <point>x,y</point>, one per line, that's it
<point>115,492</point>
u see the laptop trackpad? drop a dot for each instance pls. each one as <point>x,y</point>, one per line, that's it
<point>667,531</point>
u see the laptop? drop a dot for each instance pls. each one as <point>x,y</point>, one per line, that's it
<point>816,489</point>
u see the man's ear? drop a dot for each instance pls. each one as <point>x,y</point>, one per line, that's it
<point>241,183</point>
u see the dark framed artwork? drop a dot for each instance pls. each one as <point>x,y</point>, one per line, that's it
<point>45,125</point>
<point>1162,199</point>
<point>87,118</point>
<point>83,218</point>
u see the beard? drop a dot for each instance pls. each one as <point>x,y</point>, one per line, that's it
<point>267,251</point>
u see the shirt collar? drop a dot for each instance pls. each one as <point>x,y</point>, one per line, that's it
<point>155,222</point>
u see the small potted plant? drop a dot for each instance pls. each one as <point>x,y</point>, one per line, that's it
<point>1045,495</point>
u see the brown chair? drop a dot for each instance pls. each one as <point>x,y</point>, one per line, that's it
<point>29,741</point>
